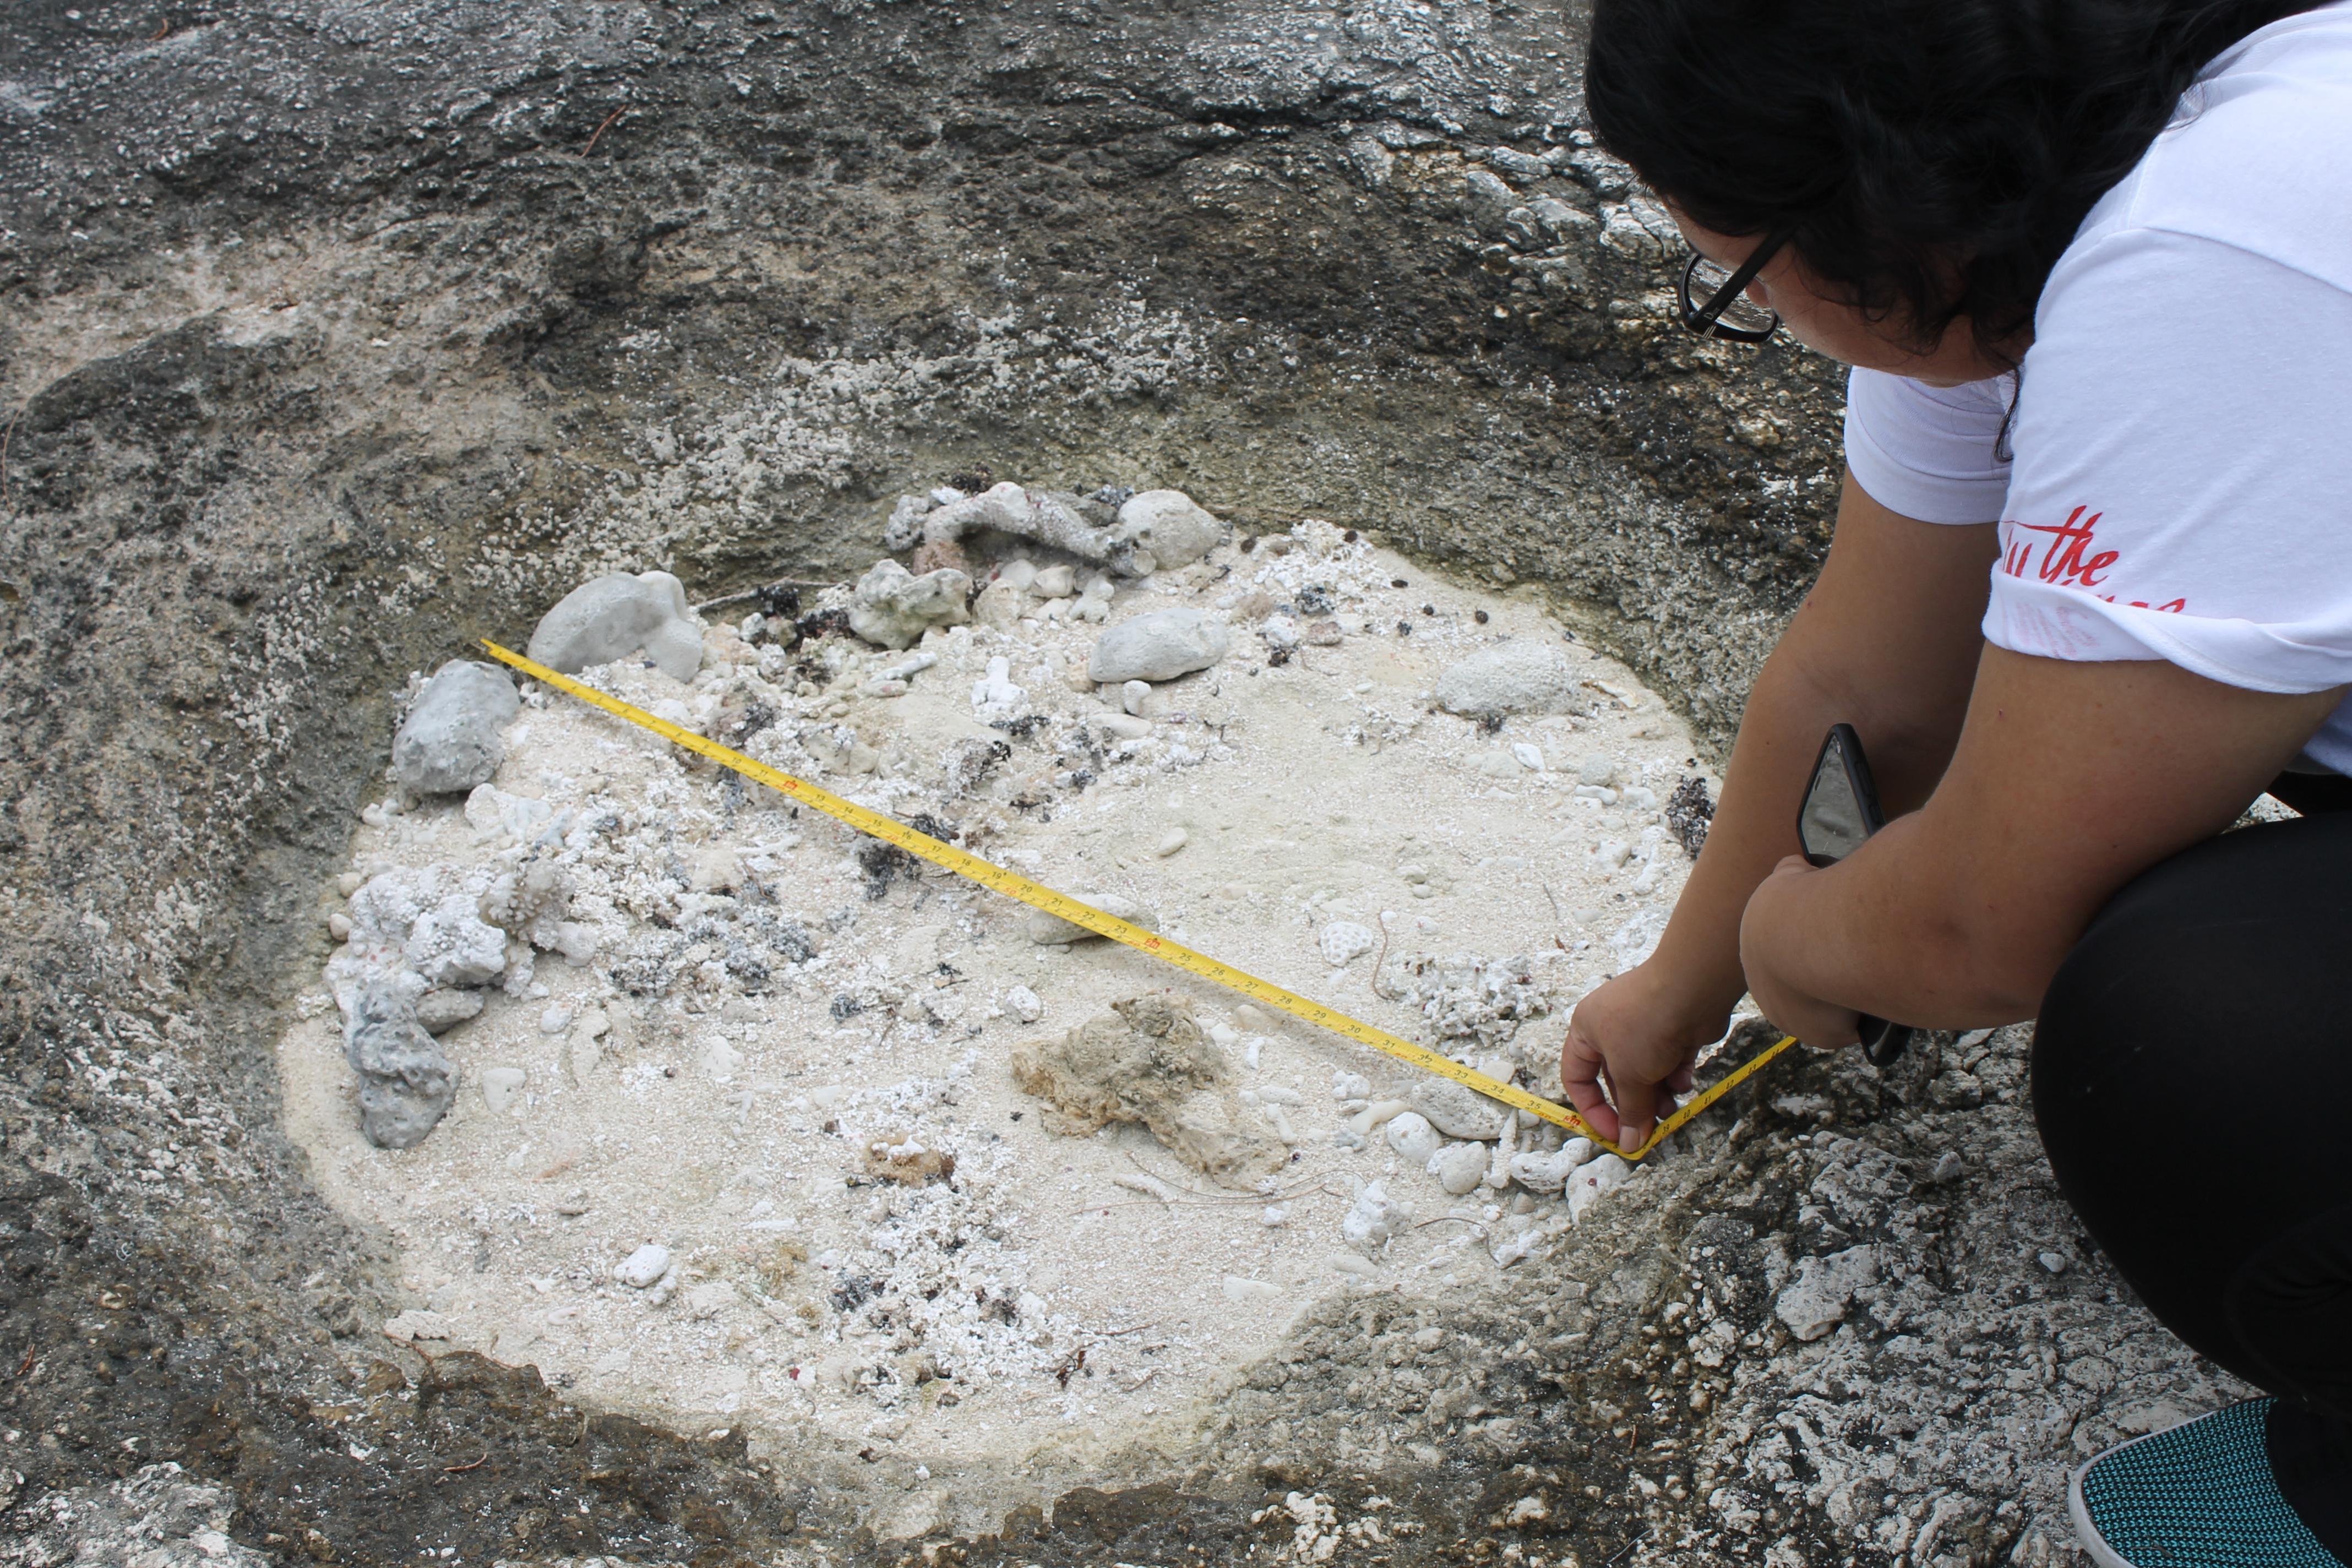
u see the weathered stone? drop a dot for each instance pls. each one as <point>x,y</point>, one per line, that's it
<point>450,740</point>
<point>406,1083</point>
<point>1168,524</point>
<point>1158,645</point>
<point>1525,675</point>
<point>895,607</point>
<point>614,616</point>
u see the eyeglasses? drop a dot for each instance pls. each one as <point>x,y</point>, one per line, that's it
<point>1728,312</point>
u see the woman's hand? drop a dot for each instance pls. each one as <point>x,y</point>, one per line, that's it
<point>1638,1034</point>
<point>1822,1024</point>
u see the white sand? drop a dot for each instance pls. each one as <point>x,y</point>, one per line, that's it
<point>733,1129</point>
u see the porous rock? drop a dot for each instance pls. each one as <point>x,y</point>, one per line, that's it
<point>406,1083</point>
<point>1590,1182</point>
<point>1457,1111</point>
<point>1158,645</point>
<point>1815,1302</point>
<point>1548,1173</point>
<point>614,616</point>
<point>1459,1167</point>
<point>1525,675</point>
<point>1341,942</point>
<point>1374,1221</point>
<point>1148,1060</point>
<point>444,1009</point>
<point>893,607</point>
<point>450,740</point>
<point>1052,518</point>
<point>1412,1136</point>
<point>1170,525</point>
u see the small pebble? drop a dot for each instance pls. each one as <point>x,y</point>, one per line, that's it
<point>1022,1003</point>
<point>1176,839</point>
<point>556,1019</point>
<point>1273,1214</point>
<point>1055,583</point>
<point>2053,1262</point>
<point>1531,756</point>
<point>502,1087</point>
<point>1599,768</point>
<point>644,1268</point>
<point>1133,695</point>
<point>1459,1167</point>
<point>1413,1138</point>
<point>339,926</point>
<point>1352,1086</point>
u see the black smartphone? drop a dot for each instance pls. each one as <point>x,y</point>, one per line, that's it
<point>1840,811</point>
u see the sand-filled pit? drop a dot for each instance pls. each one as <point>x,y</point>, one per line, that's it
<point>737,1139</point>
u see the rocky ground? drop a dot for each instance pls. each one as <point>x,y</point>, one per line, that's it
<point>334,336</point>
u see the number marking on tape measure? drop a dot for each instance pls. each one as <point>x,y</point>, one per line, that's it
<point>1038,896</point>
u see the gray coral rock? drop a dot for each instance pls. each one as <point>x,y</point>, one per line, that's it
<point>444,1009</point>
<point>158,1518</point>
<point>1457,1111</point>
<point>1148,1060</point>
<point>406,1083</point>
<point>1052,518</point>
<point>895,607</point>
<point>1160,646</point>
<point>1525,675</point>
<point>1168,524</point>
<point>614,616</point>
<point>451,739</point>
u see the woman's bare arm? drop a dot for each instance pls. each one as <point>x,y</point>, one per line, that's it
<point>1886,641</point>
<point>2069,780</point>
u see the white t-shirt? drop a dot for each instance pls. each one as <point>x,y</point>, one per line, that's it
<point>2182,481</point>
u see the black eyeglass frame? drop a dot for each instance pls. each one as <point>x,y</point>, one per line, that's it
<point>1707,320</point>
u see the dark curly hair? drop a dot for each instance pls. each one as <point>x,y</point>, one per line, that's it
<point>1930,158</point>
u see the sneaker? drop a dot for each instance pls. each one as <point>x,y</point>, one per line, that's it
<point>2198,1496</point>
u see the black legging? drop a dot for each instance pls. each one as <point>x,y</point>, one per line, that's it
<point>2193,1079</point>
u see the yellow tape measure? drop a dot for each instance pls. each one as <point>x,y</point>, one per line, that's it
<point>1037,896</point>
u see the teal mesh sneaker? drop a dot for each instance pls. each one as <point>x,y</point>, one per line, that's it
<point>2198,1496</point>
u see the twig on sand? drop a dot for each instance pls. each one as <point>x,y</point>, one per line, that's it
<point>601,128</point>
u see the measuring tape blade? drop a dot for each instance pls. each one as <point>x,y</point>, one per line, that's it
<point>1037,896</point>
